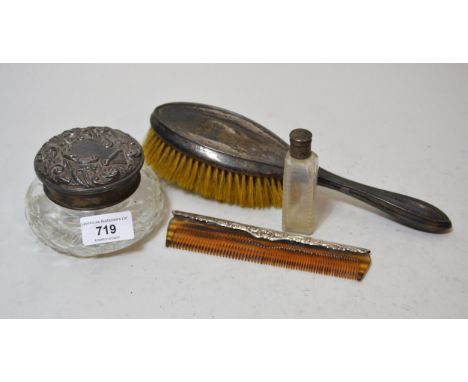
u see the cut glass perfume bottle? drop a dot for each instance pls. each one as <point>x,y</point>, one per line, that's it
<point>93,195</point>
<point>299,183</point>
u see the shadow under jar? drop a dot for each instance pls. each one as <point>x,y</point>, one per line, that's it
<point>93,195</point>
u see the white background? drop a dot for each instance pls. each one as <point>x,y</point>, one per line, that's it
<point>398,127</point>
<point>241,31</point>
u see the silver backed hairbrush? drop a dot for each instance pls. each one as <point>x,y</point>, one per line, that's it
<point>230,158</point>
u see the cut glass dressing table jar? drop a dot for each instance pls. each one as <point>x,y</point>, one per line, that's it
<point>92,194</point>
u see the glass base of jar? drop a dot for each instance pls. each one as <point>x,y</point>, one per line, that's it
<point>59,227</point>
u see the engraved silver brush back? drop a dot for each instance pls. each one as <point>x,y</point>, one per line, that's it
<point>235,143</point>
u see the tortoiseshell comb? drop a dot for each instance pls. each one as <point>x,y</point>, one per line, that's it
<point>245,242</point>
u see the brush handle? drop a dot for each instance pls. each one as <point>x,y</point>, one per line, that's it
<point>404,209</point>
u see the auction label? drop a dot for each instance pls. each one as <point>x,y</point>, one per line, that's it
<point>107,228</point>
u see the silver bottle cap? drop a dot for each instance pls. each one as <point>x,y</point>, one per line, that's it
<point>300,143</point>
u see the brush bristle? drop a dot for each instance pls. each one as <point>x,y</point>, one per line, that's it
<point>221,241</point>
<point>208,180</point>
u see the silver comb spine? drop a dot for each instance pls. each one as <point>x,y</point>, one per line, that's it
<point>273,235</point>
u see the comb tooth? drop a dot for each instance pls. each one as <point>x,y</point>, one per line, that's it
<point>231,243</point>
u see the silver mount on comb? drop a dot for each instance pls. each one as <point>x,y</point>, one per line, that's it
<point>272,235</point>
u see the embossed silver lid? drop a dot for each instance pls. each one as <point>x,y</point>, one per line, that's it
<point>89,168</point>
